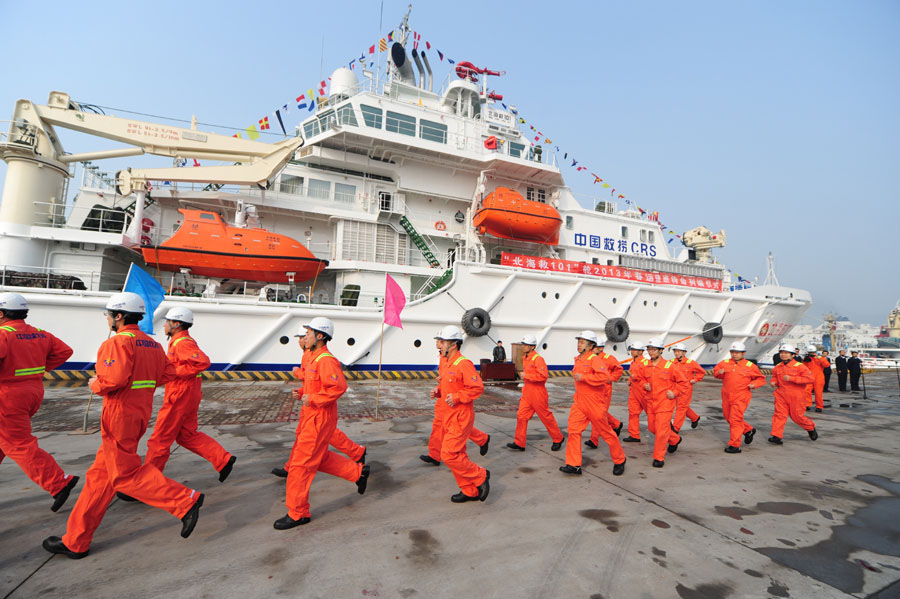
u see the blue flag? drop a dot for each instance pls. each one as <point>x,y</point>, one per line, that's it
<point>141,282</point>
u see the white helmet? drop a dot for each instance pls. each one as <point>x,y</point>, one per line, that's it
<point>601,342</point>
<point>811,349</point>
<point>588,336</point>
<point>529,340</point>
<point>737,346</point>
<point>680,346</point>
<point>319,324</point>
<point>180,314</point>
<point>637,345</point>
<point>12,301</point>
<point>126,302</point>
<point>787,347</point>
<point>656,342</point>
<point>451,332</point>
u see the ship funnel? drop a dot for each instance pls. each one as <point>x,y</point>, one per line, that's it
<point>398,57</point>
<point>422,76</point>
<point>430,74</point>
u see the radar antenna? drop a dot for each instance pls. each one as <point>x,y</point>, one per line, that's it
<point>771,279</point>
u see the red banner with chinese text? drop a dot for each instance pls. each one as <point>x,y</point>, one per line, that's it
<point>610,272</point>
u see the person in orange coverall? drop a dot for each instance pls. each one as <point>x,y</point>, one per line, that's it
<point>739,378</point>
<point>534,398</point>
<point>694,374</point>
<point>436,439</point>
<point>323,384</point>
<point>459,387</point>
<point>615,372</point>
<point>663,382</point>
<point>789,379</point>
<point>130,365</point>
<point>637,396</point>
<point>591,404</point>
<point>25,354</point>
<point>817,366</point>
<point>339,440</point>
<point>176,421</point>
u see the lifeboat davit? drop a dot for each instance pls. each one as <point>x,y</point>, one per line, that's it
<point>210,248</point>
<point>505,213</point>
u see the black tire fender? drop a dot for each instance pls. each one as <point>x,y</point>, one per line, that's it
<point>617,329</point>
<point>712,332</point>
<point>476,322</point>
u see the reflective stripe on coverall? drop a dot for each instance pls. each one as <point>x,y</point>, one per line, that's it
<point>26,353</point>
<point>692,371</point>
<point>663,377</point>
<point>462,380</point>
<point>323,384</point>
<point>790,396</point>
<point>176,421</point>
<point>535,400</point>
<point>590,407</point>
<point>737,378</point>
<point>130,365</point>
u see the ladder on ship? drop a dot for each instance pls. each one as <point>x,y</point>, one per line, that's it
<point>420,242</point>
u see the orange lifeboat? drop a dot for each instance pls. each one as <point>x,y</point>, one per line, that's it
<point>505,213</point>
<point>210,248</point>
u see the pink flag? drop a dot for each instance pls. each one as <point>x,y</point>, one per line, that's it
<point>394,300</point>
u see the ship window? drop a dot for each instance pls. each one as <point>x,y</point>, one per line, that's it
<point>609,262</point>
<point>516,150</point>
<point>311,128</point>
<point>400,123</point>
<point>371,115</point>
<point>319,189</point>
<point>624,232</point>
<point>207,216</point>
<point>291,184</point>
<point>325,119</point>
<point>344,193</point>
<point>345,115</point>
<point>433,131</point>
<point>643,235</point>
<point>570,222</point>
<point>542,195</point>
<point>650,236</point>
<point>529,194</point>
<point>595,261</point>
<point>384,201</point>
<point>385,245</point>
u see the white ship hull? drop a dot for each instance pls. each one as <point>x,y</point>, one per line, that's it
<point>243,334</point>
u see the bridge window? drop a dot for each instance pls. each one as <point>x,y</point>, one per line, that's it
<point>319,189</point>
<point>433,131</point>
<point>345,115</point>
<point>371,116</point>
<point>624,232</point>
<point>291,184</point>
<point>400,123</point>
<point>516,150</point>
<point>344,193</point>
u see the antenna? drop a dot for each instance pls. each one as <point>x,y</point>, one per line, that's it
<point>771,279</point>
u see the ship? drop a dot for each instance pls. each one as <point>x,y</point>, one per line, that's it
<point>391,173</point>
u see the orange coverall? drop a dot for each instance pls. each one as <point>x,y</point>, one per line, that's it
<point>663,376</point>
<point>817,366</point>
<point>436,439</point>
<point>323,384</point>
<point>615,373</point>
<point>176,421</point>
<point>130,365</point>
<point>790,396</point>
<point>460,378</point>
<point>692,372</point>
<point>590,407</point>
<point>25,354</point>
<point>637,396</point>
<point>737,379</point>
<point>339,440</point>
<point>535,400</point>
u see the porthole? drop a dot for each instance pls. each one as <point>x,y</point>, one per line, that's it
<point>284,340</point>
<point>729,309</point>
<point>544,346</point>
<point>645,302</point>
<point>654,304</point>
<point>689,306</point>
<point>543,294</point>
<point>614,300</point>
<point>351,341</point>
<point>615,348</point>
<point>557,296</point>
<point>417,343</point>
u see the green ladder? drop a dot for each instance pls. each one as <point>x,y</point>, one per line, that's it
<point>420,242</point>
<point>443,280</point>
<point>129,210</point>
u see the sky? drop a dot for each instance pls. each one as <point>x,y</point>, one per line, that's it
<point>776,120</point>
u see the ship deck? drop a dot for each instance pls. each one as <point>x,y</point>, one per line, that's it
<point>806,519</point>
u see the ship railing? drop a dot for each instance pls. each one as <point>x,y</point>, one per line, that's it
<point>104,220</point>
<point>12,275</point>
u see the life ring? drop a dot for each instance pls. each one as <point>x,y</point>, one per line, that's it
<point>440,225</point>
<point>712,332</point>
<point>476,322</point>
<point>178,291</point>
<point>617,329</point>
<point>145,240</point>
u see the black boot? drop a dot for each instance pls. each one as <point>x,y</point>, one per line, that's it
<point>484,448</point>
<point>618,429</point>
<point>125,497</point>
<point>60,498</point>
<point>590,444</point>
<point>570,469</point>
<point>286,522</point>
<point>485,487</point>
<point>695,423</point>
<point>619,469</point>
<point>730,449</point>
<point>813,434</point>
<point>630,439</point>
<point>429,460</point>
<point>362,460</point>
<point>658,463</point>
<point>189,521</point>
<point>462,498</point>
<point>776,440</point>
<point>56,545</point>
<point>280,472</point>
<point>748,437</point>
<point>557,445</point>
<point>516,447</point>
<point>674,448</point>
<point>226,469</point>
<point>363,480</point>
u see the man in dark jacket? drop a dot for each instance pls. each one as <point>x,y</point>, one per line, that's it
<point>854,366</point>
<point>840,363</point>
<point>499,352</point>
<point>826,371</point>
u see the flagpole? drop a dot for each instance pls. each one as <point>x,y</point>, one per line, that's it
<point>378,389</point>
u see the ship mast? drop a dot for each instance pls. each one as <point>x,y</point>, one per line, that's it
<point>771,279</point>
